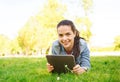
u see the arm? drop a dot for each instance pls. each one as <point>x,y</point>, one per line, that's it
<point>50,68</point>
<point>83,61</point>
<point>85,58</point>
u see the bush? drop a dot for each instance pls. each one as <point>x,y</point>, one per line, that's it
<point>117,43</point>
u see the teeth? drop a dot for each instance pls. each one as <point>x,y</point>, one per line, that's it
<point>65,41</point>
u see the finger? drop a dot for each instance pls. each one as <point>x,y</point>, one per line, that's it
<point>76,70</point>
<point>76,67</point>
<point>47,64</point>
<point>51,66</point>
<point>79,71</point>
<point>50,69</point>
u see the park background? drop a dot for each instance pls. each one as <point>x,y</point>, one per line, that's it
<point>28,27</point>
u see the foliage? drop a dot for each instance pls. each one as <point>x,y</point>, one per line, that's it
<point>4,45</point>
<point>39,31</point>
<point>8,46</point>
<point>87,5</point>
<point>14,47</point>
<point>103,69</point>
<point>84,25</point>
<point>27,36</point>
<point>51,14</point>
<point>117,42</point>
<point>48,18</point>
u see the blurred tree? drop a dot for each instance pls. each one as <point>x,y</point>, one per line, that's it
<point>33,38</point>
<point>14,47</point>
<point>39,32</point>
<point>87,5</point>
<point>48,18</point>
<point>51,14</point>
<point>117,42</point>
<point>27,36</point>
<point>4,45</point>
<point>83,25</point>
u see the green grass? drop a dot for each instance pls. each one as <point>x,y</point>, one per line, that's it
<point>104,69</point>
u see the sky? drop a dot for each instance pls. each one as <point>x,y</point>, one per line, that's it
<point>106,21</point>
<point>105,17</point>
<point>15,13</point>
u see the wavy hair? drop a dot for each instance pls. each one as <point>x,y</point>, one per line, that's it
<point>76,47</point>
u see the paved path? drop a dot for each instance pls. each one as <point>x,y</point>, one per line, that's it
<point>105,53</point>
<point>91,54</point>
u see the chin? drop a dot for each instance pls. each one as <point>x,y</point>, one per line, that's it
<point>66,46</point>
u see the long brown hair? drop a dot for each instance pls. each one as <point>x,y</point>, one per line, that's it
<point>76,47</point>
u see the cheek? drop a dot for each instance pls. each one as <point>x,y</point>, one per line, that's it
<point>72,37</point>
<point>59,39</point>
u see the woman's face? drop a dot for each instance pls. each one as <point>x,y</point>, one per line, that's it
<point>66,36</point>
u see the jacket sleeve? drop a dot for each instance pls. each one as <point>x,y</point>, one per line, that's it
<point>85,56</point>
<point>55,48</point>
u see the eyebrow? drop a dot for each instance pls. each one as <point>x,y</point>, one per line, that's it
<point>68,33</point>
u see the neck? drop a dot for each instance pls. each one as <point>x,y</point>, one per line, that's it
<point>68,51</point>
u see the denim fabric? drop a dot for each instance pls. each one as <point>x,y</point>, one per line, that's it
<point>83,59</point>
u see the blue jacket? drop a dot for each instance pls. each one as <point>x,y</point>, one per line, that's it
<point>83,59</point>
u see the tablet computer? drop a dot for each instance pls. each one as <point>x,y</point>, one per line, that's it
<point>61,63</point>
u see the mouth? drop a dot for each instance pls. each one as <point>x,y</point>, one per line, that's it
<point>65,42</point>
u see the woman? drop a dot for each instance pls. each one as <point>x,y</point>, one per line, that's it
<point>69,42</point>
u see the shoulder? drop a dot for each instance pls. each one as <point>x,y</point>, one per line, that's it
<point>82,42</point>
<point>55,43</point>
<point>83,45</point>
<point>55,47</point>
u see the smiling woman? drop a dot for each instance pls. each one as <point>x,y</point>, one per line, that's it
<point>70,43</point>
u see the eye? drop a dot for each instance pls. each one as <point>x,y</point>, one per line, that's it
<point>67,34</point>
<point>60,35</point>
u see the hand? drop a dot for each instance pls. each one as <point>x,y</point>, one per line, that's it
<point>78,70</point>
<point>49,67</point>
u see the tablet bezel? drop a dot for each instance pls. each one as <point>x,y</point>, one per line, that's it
<point>60,62</point>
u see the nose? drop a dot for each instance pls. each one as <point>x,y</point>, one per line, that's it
<point>64,38</point>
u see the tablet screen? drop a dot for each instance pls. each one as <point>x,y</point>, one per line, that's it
<point>61,63</point>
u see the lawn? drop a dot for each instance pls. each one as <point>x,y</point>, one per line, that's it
<point>103,69</point>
